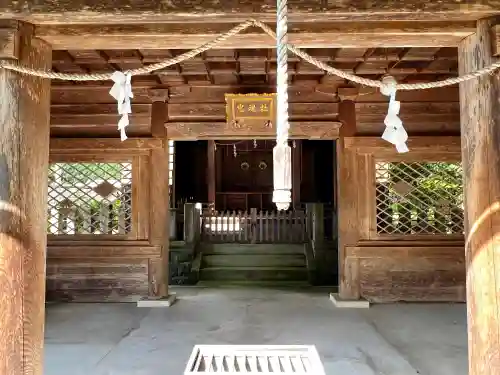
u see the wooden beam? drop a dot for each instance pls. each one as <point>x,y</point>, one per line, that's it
<point>217,111</point>
<point>183,131</point>
<point>480,124</point>
<point>159,111</point>
<point>376,145</point>
<point>24,160</point>
<point>495,31</point>
<point>304,35</point>
<point>85,11</point>
<point>86,145</point>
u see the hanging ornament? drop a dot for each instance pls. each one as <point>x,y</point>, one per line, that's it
<point>215,146</point>
<point>122,93</point>
<point>294,145</point>
<point>234,151</point>
<point>254,143</point>
<point>395,132</point>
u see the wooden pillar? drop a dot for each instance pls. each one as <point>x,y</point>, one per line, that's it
<point>159,230</point>
<point>347,185</point>
<point>191,223</point>
<point>24,161</point>
<point>211,173</point>
<point>480,131</point>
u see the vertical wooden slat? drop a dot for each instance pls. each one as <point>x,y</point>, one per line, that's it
<point>261,226</point>
<point>271,226</point>
<point>239,237</point>
<point>247,225</point>
<point>253,213</point>
<point>104,217</point>
<point>233,229</point>
<point>289,227</point>
<point>140,197</point>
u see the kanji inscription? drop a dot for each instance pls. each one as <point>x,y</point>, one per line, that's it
<point>249,110</point>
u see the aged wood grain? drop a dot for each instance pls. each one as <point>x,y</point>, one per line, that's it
<point>222,130</point>
<point>495,30</point>
<point>9,42</point>
<point>84,11</point>
<point>212,111</point>
<point>86,145</point>
<point>418,144</point>
<point>303,35</point>
<point>75,250</point>
<point>24,149</point>
<point>418,118</point>
<point>480,121</point>
<point>413,273</point>
<point>348,218</point>
<point>159,111</point>
<point>159,219</point>
<point>97,119</point>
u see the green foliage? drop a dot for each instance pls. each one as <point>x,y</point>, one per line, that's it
<point>84,173</point>
<point>434,203</point>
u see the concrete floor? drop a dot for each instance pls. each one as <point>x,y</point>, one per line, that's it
<point>121,339</point>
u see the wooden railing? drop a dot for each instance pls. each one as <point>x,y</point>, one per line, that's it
<point>254,226</point>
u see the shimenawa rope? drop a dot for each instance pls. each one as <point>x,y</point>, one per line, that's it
<point>394,133</point>
<point>234,31</point>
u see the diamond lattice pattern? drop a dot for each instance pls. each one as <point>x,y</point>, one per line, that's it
<point>419,198</point>
<point>90,198</point>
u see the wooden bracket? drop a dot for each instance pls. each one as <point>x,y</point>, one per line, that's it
<point>495,37</point>
<point>9,40</point>
<point>159,95</point>
<point>347,93</point>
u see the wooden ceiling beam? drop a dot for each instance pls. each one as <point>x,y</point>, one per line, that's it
<point>128,11</point>
<point>319,35</point>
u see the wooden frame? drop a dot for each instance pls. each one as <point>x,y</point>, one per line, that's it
<point>136,151</point>
<point>369,150</point>
<point>365,256</point>
<point>184,131</point>
<point>371,204</point>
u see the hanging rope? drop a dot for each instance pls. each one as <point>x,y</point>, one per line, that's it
<point>282,152</point>
<point>122,90</point>
<point>237,30</point>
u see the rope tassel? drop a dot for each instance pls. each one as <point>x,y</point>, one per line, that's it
<point>122,93</point>
<point>282,154</point>
<point>394,132</point>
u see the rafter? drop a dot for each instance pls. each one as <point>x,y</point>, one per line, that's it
<point>304,35</point>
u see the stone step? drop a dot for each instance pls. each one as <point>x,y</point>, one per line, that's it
<point>252,248</point>
<point>255,284</point>
<point>254,274</point>
<point>253,260</point>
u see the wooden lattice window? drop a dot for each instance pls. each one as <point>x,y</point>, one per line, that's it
<point>90,199</point>
<point>419,198</point>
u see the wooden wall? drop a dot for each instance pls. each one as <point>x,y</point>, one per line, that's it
<point>428,270</point>
<point>106,267</point>
<point>402,268</point>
